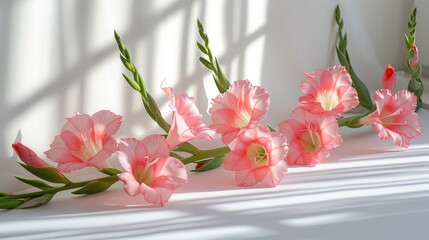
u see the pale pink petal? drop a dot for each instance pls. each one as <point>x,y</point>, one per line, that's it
<point>85,141</point>
<point>328,90</point>
<point>126,152</point>
<point>159,192</point>
<point>79,124</point>
<point>110,146</point>
<point>241,106</point>
<point>106,122</point>
<point>155,145</point>
<point>276,175</point>
<point>174,169</point>
<point>245,178</point>
<point>395,117</point>
<point>131,186</point>
<point>310,136</point>
<point>70,166</point>
<point>186,124</point>
<point>28,156</point>
<point>149,167</point>
<point>179,131</point>
<point>72,142</point>
<point>254,153</point>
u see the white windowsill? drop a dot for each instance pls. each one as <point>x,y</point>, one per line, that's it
<point>366,184</point>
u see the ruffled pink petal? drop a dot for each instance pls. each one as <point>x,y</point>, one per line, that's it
<point>126,153</point>
<point>174,169</point>
<point>131,186</point>
<point>109,147</point>
<point>155,145</point>
<point>72,142</point>
<point>70,166</point>
<point>159,192</point>
<point>242,106</point>
<point>303,128</point>
<point>186,124</point>
<point>276,175</point>
<point>328,90</point>
<point>179,131</point>
<point>245,178</point>
<point>106,122</point>
<point>79,124</point>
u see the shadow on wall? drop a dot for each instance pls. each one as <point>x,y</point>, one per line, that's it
<point>297,37</point>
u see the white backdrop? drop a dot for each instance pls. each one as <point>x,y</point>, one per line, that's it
<point>60,57</point>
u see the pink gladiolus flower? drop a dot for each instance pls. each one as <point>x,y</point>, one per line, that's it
<point>242,106</point>
<point>258,156</point>
<point>328,90</point>
<point>28,156</point>
<point>389,78</point>
<point>186,124</point>
<point>85,141</point>
<point>413,58</point>
<point>149,169</point>
<point>310,136</point>
<point>395,116</point>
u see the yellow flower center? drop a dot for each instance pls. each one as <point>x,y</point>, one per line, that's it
<point>328,99</point>
<point>311,141</point>
<point>256,153</point>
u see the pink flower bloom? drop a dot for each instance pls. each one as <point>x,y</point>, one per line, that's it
<point>310,136</point>
<point>389,78</point>
<point>328,90</point>
<point>395,116</point>
<point>242,106</point>
<point>28,156</point>
<point>85,141</point>
<point>258,156</point>
<point>186,123</point>
<point>149,169</point>
<point>413,56</point>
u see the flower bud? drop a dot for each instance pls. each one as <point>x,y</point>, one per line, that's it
<point>28,156</point>
<point>389,78</point>
<point>413,58</point>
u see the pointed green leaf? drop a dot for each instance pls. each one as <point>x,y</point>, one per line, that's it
<point>111,171</point>
<point>35,183</point>
<point>131,82</point>
<point>95,187</point>
<point>202,48</point>
<point>206,63</point>
<point>48,173</point>
<point>37,201</point>
<point>222,78</point>
<point>342,58</point>
<point>10,203</point>
<point>211,164</point>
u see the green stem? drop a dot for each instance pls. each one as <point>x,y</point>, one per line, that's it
<point>353,121</point>
<point>204,154</point>
<point>62,188</point>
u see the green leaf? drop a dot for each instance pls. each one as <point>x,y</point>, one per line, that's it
<point>37,201</point>
<point>10,203</point>
<point>2,194</point>
<point>206,63</point>
<point>342,58</point>
<point>35,183</point>
<point>202,48</point>
<point>111,171</point>
<point>48,173</point>
<point>95,187</point>
<point>132,83</point>
<point>210,164</point>
<point>222,78</point>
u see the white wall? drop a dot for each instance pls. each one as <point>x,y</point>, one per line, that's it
<point>59,57</point>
